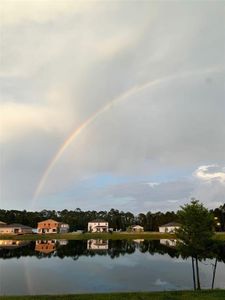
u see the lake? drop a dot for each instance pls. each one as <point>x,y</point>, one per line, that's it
<point>63,267</point>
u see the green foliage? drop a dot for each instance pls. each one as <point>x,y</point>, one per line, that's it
<point>78,219</point>
<point>196,231</point>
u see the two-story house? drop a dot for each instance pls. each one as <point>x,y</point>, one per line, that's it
<point>52,226</point>
<point>98,226</point>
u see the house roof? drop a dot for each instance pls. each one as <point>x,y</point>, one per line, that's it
<point>49,220</point>
<point>171,224</point>
<point>136,226</point>
<point>14,225</point>
<point>2,223</point>
<point>98,221</point>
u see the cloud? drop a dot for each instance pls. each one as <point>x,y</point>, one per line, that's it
<point>14,12</point>
<point>161,282</point>
<point>152,184</point>
<point>211,173</point>
<point>63,61</point>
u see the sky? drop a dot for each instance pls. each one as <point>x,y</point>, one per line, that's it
<point>112,104</point>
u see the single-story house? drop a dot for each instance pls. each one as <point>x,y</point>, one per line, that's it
<point>137,228</point>
<point>52,226</point>
<point>97,244</point>
<point>98,226</point>
<point>15,229</point>
<point>169,227</point>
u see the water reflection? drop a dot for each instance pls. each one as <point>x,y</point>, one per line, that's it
<point>168,243</point>
<point>113,248</point>
<point>118,262</point>
<point>97,244</point>
<point>45,247</point>
<point>12,244</point>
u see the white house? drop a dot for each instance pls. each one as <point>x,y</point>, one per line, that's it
<point>137,228</point>
<point>98,226</point>
<point>169,227</point>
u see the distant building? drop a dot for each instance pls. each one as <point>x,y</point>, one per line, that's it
<point>98,226</point>
<point>15,229</point>
<point>2,223</point>
<point>169,227</point>
<point>97,244</point>
<point>52,226</point>
<point>137,228</point>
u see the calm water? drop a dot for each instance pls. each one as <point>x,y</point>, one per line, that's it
<point>99,266</point>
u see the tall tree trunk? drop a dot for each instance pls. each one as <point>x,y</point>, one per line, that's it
<point>197,273</point>
<point>214,273</point>
<point>193,272</point>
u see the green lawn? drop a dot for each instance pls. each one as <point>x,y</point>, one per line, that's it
<point>181,295</point>
<point>87,236</point>
<point>104,236</point>
<point>220,236</point>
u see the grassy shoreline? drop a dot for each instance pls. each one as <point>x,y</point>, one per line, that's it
<point>87,236</point>
<point>174,295</point>
<point>103,236</point>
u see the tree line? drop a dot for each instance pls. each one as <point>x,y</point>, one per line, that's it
<point>118,220</point>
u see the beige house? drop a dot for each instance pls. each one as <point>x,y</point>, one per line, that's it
<point>169,227</point>
<point>98,226</point>
<point>137,228</point>
<point>15,229</point>
<point>52,226</point>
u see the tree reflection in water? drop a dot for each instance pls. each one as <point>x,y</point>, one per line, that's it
<point>115,249</point>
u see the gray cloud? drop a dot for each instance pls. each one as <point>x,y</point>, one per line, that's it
<point>62,65</point>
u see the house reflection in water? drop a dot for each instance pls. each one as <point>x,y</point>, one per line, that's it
<point>97,244</point>
<point>168,243</point>
<point>12,244</point>
<point>63,242</point>
<point>139,241</point>
<point>45,246</point>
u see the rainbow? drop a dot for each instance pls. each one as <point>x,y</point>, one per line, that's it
<point>130,92</point>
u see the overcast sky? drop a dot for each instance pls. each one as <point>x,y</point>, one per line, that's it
<point>143,81</point>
